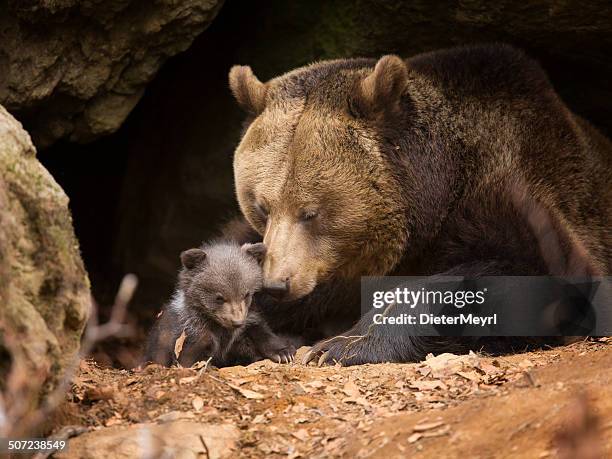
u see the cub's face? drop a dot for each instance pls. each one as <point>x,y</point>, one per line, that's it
<point>219,281</point>
<point>310,178</point>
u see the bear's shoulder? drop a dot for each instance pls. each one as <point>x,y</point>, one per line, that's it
<point>482,70</point>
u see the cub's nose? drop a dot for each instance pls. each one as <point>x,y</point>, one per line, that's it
<point>277,288</point>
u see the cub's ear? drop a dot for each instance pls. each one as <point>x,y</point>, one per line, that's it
<point>193,258</point>
<point>382,89</point>
<point>258,251</point>
<point>247,89</point>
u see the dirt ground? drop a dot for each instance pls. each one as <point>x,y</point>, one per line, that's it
<point>549,403</point>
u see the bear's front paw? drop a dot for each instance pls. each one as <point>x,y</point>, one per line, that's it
<point>343,350</point>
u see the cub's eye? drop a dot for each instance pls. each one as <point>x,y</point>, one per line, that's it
<point>219,299</point>
<point>308,215</point>
<point>262,209</point>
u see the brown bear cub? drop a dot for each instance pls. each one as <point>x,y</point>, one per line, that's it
<point>213,305</point>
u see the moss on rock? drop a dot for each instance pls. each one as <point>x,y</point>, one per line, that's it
<point>44,289</point>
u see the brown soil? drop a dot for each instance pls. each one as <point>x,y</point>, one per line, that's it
<point>549,403</point>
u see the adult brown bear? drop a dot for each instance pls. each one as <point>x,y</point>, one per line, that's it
<point>461,162</point>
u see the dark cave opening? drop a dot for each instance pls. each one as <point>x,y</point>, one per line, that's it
<point>159,185</point>
<point>164,183</point>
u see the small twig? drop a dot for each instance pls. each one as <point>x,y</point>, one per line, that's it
<point>204,368</point>
<point>205,447</point>
<point>115,326</point>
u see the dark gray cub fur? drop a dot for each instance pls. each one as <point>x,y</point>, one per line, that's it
<point>213,305</point>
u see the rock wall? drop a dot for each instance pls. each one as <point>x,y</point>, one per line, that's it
<point>75,69</point>
<point>44,289</point>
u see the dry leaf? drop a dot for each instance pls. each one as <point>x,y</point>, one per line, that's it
<point>427,426</point>
<point>247,393</point>
<point>351,390</point>
<point>113,422</point>
<point>178,344</point>
<point>300,389</point>
<point>298,408</point>
<point>301,434</point>
<point>428,385</point>
<point>99,393</point>
<point>334,445</point>
<point>423,431</point>
<point>188,379</point>
<point>446,364</point>
<point>316,384</point>
<point>358,400</point>
<point>469,375</point>
<point>490,368</point>
<point>241,381</point>
<point>198,403</point>
<point>200,364</point>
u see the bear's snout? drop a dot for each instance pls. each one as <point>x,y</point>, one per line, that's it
<point>277,288</point>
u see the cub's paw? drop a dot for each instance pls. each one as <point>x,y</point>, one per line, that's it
<point>286,355</point>
<point>281,352</point>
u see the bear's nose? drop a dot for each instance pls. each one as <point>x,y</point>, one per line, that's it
<point>277,288</point>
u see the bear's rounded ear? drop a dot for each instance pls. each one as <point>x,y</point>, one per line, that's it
<point>247,89</point>
<point>193,258</point>
<point>257,251</point>
<point>382,89</point>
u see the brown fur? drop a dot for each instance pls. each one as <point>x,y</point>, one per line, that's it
<point>247,89</point>
<point>381,91</point>
<point>461,161</point>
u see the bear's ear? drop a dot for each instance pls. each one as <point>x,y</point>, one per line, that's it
<point>247,89</point>
<point>193,258</point>
<point>257,251</point>
<point>382,89</point>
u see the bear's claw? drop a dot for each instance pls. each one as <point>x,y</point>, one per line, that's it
<point>339,349</point>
